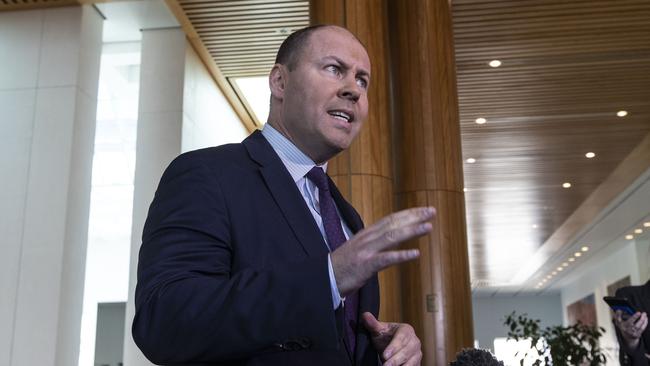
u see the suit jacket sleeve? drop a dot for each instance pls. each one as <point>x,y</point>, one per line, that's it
<point>191,306</point>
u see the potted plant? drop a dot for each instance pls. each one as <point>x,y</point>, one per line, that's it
<point>557,345</point>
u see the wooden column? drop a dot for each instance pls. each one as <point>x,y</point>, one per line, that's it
<point>436,288</point>
<point>363,173</point>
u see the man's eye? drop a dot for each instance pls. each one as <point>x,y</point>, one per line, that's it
<point>362,83</point>
<point>334,69</point>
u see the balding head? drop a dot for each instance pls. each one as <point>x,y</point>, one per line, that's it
<point>292,47</point>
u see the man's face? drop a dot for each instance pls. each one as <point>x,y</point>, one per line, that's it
<point>325,98</point>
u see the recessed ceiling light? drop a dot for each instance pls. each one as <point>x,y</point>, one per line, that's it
<point>464,189</point>
<point>565,264</point>
<point>481,120</point>
<point>534,226</point>
<point>553,273</point>
<point>549,277</point>
<point>638,231</point>
<point>577,254</point>
<point>584,249</point>
<point>495,63</point>
<point>572,259</point>
<point>629,236</point>
<point>621,113</point>
<point>646,224</point>
<point>560,269</point>
<point>590,155</point>
<point>566,185</point>
<point>471,160</point>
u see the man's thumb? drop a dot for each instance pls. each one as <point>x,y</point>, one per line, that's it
<point>371,323</point>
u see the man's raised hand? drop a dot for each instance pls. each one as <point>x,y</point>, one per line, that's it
<point>371,250</point>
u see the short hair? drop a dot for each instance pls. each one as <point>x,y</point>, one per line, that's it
<point>475,357</point>
<point>293,45</point>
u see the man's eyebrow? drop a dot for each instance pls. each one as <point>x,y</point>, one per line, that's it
<point>362,72</point>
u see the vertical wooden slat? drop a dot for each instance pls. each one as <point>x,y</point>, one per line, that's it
<point>436,288</point>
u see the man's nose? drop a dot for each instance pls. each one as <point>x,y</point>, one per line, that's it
<point>350,90</point>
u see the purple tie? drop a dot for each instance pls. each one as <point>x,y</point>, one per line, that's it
<point>335,238</point>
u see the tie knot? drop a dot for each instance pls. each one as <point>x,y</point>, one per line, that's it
<point>318,176</point>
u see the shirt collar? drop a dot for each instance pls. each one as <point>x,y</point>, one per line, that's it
<point>297,163</point>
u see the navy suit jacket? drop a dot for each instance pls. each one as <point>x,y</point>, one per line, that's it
<point>233,268</point>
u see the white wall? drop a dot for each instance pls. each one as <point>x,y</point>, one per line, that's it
<point>490,313</point>
<point>208,118</point>
<point>48,98</point>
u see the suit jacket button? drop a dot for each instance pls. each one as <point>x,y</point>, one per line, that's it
<point>304,342</point>
<point>291,346</point>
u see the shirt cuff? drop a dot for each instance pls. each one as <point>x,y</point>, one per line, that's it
<point>336,296</point>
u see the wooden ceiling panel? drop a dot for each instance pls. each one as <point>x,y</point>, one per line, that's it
<point>243,36</point>
<point>567,68</point>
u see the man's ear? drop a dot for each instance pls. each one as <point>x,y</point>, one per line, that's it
<point>277,81</point>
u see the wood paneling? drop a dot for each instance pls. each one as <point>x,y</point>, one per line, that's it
<point>11,5</point>
<point>242,36</point>
<point>568,67</point>
<point>364,171</point>
<point>429,173</point>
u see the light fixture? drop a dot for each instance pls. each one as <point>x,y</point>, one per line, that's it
<point>553,273</point>
<point>471,160</point>
<point>584,249</point>
<point>495,63</point>
<point>560,269</point>
<point>565,264</point>
<point>549,277</point>
<point>572,259</point>
<point>621,113</point>
<point>464,189</point>
<point>534,226</point>
<point>646,224</point>
<point>566,185</point>
<point>629,236</point>
<point>577,254</point>
<point>590,155</point>
<point>481,120</point>
<point>638,231</point>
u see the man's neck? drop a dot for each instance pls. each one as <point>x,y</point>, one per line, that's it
<point>283,131</point>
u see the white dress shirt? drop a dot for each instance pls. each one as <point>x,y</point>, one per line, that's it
<point>298,164</point>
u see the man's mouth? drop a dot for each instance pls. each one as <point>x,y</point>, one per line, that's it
<point>345,116</point>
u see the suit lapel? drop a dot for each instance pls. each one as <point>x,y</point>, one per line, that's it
<point>286,194</point>
<point>348,213</point>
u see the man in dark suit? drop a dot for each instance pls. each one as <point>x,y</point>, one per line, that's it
<point>632,332</point>
<point>251,256</point>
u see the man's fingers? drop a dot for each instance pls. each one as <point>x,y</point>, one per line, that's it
<point>371,323</point>
<point>415,360</point>
<point>643,323</point>
<point>387,259</point>
<point>391,238</point>
<point>633,319</point>
<point>403,347</point>
<point>404,218</point>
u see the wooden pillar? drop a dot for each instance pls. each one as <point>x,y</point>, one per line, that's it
<point>363,173</point>
<point>436,288</point>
